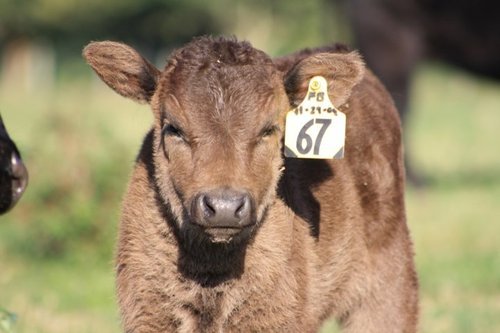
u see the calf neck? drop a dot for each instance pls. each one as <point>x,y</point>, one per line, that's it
<point>220,233</point>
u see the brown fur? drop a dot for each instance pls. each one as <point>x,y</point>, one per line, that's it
<point>329,238</point>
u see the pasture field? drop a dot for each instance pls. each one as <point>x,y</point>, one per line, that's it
<point>79,141</point>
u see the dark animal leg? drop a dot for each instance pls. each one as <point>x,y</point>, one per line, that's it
<point>391,56</point>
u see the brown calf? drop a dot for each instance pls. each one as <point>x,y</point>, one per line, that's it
<point>216,237</point>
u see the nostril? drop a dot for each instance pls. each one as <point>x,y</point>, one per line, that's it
<point>17,167</point>
<point>19,176</point>
<point>244,207</point>
<point>208,207</point>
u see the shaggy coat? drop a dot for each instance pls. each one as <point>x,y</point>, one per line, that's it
<point>318,238</point>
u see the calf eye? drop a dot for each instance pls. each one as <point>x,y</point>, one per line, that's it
<point>268,131</point>
<point>171,130</point>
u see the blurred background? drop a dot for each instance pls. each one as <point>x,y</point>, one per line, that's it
<point>79,140</point>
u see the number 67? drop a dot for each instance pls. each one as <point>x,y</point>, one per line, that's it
<point>304,140</point>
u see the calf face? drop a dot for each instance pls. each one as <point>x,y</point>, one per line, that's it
<point>219,108</point>
<point>13,173</point>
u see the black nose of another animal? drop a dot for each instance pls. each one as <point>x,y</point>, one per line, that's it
<point>13,180</point>
<point>19,176</point>
<point>223,209</point>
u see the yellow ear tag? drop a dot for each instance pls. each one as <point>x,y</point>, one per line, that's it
<point>315,128</point>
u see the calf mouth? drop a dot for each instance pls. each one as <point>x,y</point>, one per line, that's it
<point>228,234</point>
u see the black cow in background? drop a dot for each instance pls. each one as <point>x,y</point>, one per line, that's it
<point>13,173</point>
<point>395,35</point>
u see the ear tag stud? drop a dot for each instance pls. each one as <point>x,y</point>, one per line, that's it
<point>315,128</point>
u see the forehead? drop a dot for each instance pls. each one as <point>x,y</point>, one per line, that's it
<point>238,87</point>
<point>222,79</point>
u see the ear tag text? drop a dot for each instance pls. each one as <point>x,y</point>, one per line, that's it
<point>315,128</point>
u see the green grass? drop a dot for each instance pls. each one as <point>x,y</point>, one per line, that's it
<point>79,143</point>
<point>455,223</point>
<point>59,296</point>
<point>80,140</point>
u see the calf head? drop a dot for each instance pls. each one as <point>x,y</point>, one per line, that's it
<point>219,108</point>
<point>13,173</point>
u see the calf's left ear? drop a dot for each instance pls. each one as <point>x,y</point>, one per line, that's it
<point>342,71</point>
<point>123,69</point>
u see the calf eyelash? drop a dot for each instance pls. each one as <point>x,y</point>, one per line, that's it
<point>172,130</point>
<point>268,131</point>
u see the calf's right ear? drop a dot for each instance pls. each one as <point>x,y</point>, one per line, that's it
<point>123,69</point>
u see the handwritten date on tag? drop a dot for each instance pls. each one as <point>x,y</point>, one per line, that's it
<point>315,128</point>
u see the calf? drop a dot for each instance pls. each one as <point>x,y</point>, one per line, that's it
<point>13,174</point>
<point>220,233</point>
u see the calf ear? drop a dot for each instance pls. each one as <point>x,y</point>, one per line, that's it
<point>341,70</point>
<point>123,69</point>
